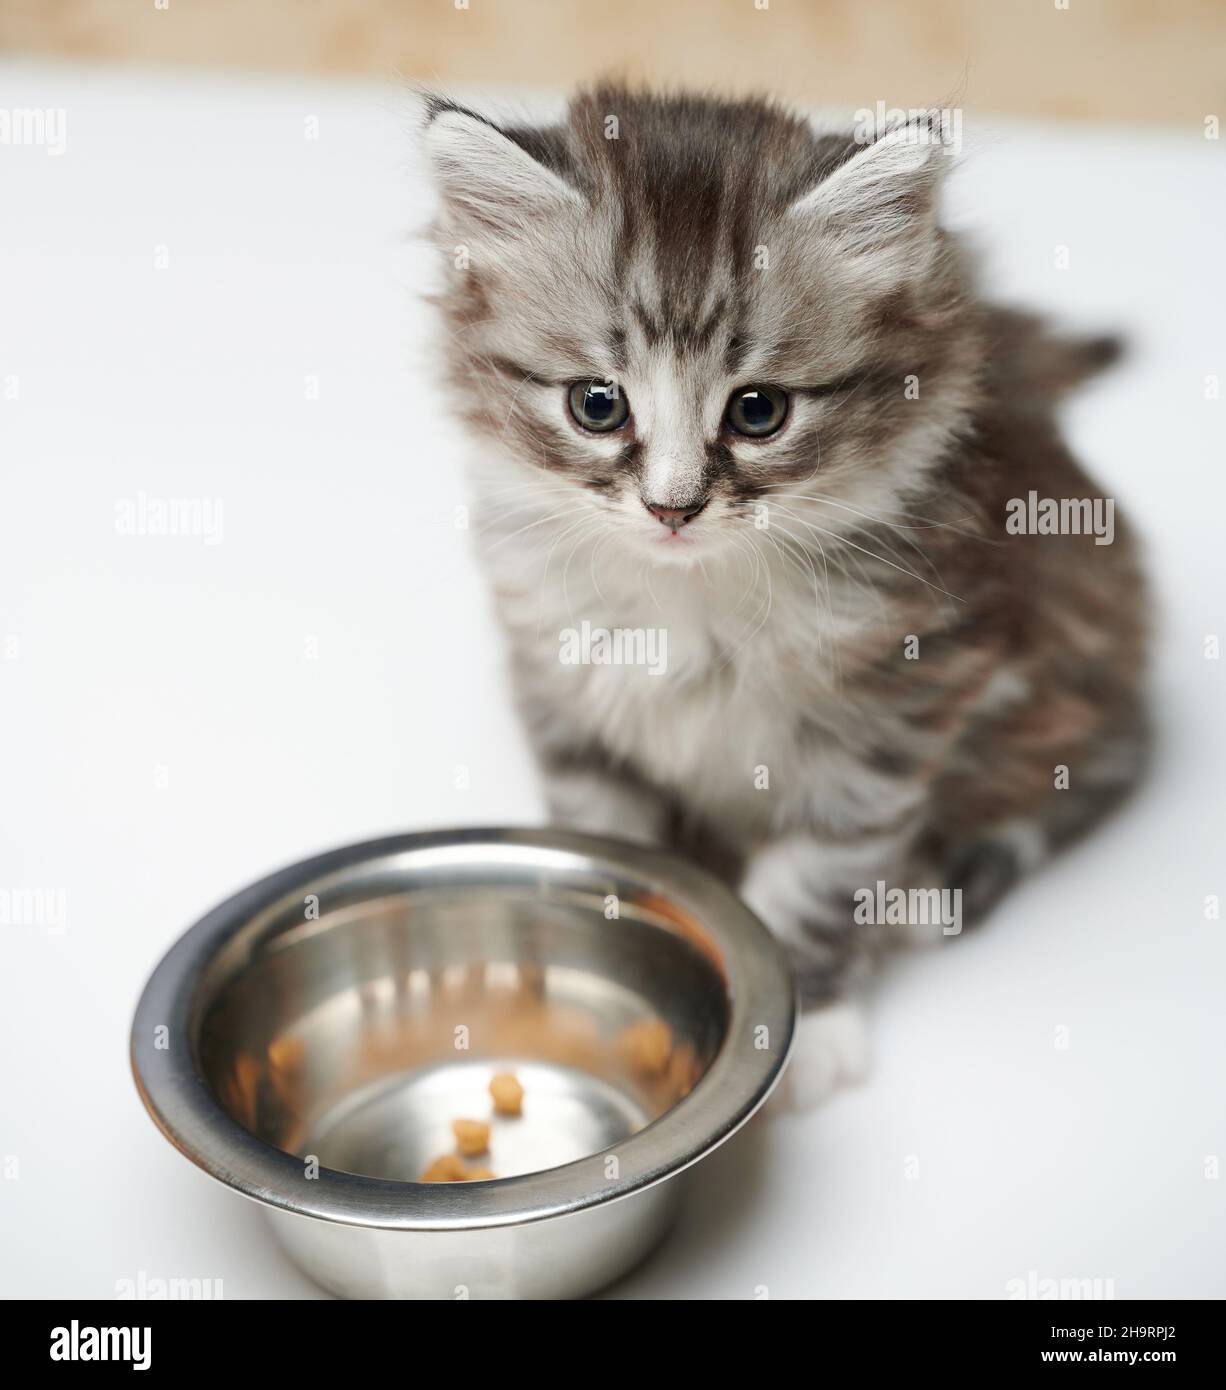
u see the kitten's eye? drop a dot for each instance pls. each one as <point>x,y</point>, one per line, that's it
<point>757,410</point>
<point>599,405</point>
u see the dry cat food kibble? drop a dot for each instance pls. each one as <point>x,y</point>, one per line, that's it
<point>646,1046</point>
<point>449,1168</point>
<point>472,1137</point>
<point>508,1093</point>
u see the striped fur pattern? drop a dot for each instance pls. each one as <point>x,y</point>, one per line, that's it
<point>868,678</point>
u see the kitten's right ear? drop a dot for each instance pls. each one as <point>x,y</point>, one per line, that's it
<point>486,179</point>
<point>885,194</point>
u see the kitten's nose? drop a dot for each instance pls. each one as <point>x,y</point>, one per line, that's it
<point>676,517</point>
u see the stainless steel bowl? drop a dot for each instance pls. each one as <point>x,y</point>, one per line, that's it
<point>311,1040</point>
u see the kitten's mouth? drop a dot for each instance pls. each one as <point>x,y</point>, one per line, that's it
<point>680,547</point>
<point>673,537</point>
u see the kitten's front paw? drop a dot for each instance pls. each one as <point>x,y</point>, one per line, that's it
<point>600,805</point>
<point>831,1050</point>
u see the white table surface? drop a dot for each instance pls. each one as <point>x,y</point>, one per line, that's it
<point>166,736</point>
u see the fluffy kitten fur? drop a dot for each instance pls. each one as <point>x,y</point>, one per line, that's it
<point>710,245</point>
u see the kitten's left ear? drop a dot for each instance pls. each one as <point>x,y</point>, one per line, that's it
<point>885,193</point>
<point>487,179</point>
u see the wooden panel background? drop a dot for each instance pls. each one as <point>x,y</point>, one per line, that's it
<point>1134,60</point>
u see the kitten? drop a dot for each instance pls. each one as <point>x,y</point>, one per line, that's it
<point>732,387</point>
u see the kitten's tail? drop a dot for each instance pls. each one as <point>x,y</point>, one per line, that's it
<point>1053,363</point>
<point>1078,359</point>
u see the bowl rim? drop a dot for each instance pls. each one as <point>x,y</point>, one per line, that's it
<point>761,991</point>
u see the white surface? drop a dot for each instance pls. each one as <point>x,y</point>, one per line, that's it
<point>288,259</point>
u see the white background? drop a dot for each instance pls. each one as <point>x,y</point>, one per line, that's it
<point>165,735</point>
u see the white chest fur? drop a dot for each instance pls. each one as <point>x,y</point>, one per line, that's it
<point>673,674</point>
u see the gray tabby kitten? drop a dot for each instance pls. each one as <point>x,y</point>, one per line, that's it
<point>731,386</point>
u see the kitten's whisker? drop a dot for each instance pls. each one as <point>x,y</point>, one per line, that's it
<point>527,502</point>
<point>843,540</point>
<point>562,534</point>
<point>592,565</point>
<point>744,551</point>
<point>741,548</point>
<point>864,583</point>
<point>491,523</point>
<point>577,524</point>
<point>651,591</point>
<point>885,544</point>
<point>808,558</point>
<point>821,550</point>
<point>787,556</point>
<point>532,482</point>
<point>820,499</point>
<point>889,549</point>
<point>836,654</point>
<point>540,521</point>
<point>770,602</point>
<point>593,526</point>
<point>506,424</point>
